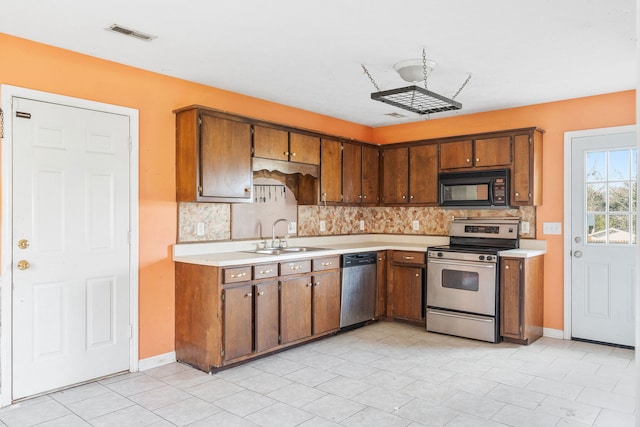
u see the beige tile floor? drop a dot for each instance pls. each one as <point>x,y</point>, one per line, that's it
<point>384,374</point>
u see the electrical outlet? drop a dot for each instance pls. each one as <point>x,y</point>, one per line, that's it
<point>292,227</point>
<point>362,225</point>
<point>323,226</point>
<point>524,227</point>
<point>200,229</point>
<point>415,225</point>
<point>551,228</point>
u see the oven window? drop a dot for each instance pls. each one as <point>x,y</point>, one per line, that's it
<point>458,193</point>
<point>463,280</point>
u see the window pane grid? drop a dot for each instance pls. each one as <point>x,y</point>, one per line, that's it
<point>610,197</point>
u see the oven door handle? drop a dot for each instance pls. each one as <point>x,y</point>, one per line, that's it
<point>457,316</point>
<point>459,263</point>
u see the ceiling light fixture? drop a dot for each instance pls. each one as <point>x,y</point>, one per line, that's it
<point>414,98</point>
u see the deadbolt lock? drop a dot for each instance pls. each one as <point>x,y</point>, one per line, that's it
<point>23,264</point>
<point>23,243</point>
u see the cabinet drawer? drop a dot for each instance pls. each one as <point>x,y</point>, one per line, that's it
<point>239,274</point>
<point>329,263</point>
<point>295,267</point>
<point>265,270</point>
<point>403,257</point>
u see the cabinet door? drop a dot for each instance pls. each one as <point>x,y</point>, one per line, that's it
<point>304,148</point>
<point>493,152</point>
<point>225,159</point>
<point>295,309</point>
<point>455,155</point>
<point>395,174</point>
<point>270,143</point>
<point>326,302</point>
<point>238,322</point>
<point>331,171</point>
<point>510,298</point>
<point>370,175</point>
<point>521,172</point>
<point>407,293</point>
<point>352,173</point>
<point>423,174</point>
<point>381,292</point>
<point>267,316</point>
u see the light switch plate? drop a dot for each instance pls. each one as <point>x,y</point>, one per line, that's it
<point>323,226</point>
<point>200,229</point>
<point>524,227</point>
<point>551,228</point>
<point>415,225</point>
<point>362,225</point>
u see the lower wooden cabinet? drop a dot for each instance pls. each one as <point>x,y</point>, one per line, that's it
<point>521,299</point>
<point>405,289</point>
<point>295,309</point>
<point>227,315</point>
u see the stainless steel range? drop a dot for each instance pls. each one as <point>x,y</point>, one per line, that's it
<point>462,278</point>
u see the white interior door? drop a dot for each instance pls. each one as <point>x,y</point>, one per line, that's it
<point>603,237</point>
<point>70,245</point>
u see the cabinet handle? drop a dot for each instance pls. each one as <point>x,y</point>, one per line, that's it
<point>248,295</point>
<point>260,293</point>
<point>266,271</point>
<point>297,267</point>
<point>408,257</point>
<point>324,264</point>
<point>233,276</point>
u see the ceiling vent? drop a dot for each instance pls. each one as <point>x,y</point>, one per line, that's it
<point>131,33</point>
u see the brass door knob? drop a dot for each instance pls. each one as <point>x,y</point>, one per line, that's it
<point>23,243</point>
<point>23,264</point>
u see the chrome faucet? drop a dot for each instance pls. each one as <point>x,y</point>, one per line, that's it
<point>273,233</point>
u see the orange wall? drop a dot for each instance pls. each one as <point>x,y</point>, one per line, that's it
<point>45,68</point>
<point>554,118</point>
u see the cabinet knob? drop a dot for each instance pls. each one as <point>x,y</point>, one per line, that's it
<point>404,197</point>
<point>517,194</point>
<point>308,285</point>
<point>249,294</point>
<point>468,160</point>
<point>317,283</point>
<point>411,197</point>
<point>417,274</point>
<point>364,197</point>
<point>477,160</point>
<point>506,267</point>
<point>247,189</point>
<point>286,153</point>
<point>260,293</point>
<point>293,154</point>
<point>379,259</point>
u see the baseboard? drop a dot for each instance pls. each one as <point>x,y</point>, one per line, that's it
<point>155,361</point>
<point>553,333</point>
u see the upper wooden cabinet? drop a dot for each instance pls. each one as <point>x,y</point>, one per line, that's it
<point>476,153</point>
<point>280,144</point>
<point>526,172</point>
<point>331,172</point>
<point>213,157</point>
<point>410,175</point>
<point>360,173</point>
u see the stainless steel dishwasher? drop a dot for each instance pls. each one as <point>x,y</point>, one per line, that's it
<point>359,281</point>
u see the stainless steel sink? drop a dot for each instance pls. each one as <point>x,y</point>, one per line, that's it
<point>288,250</point>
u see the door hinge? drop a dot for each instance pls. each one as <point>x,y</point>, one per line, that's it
<point>200,189</point>
<point>199,120</point>
<point>222,352</point>
<point>223,295</point>
<point>1,123</point>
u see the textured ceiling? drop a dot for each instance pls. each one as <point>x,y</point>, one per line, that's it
<point>309,54</point>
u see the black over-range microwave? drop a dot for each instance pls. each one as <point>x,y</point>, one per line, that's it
<point>474,189</point>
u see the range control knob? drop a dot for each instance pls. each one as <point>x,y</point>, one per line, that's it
<point>440,254</point>
<point>489,257</point>
<point>481,257</point>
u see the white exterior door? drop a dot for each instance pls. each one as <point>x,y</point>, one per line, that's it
<point>70,245</point>
<point>603,236</point>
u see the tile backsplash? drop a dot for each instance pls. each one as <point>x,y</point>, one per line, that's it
<point>339,220</point>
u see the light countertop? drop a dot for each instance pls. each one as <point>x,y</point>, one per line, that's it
<point>221,254</point>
